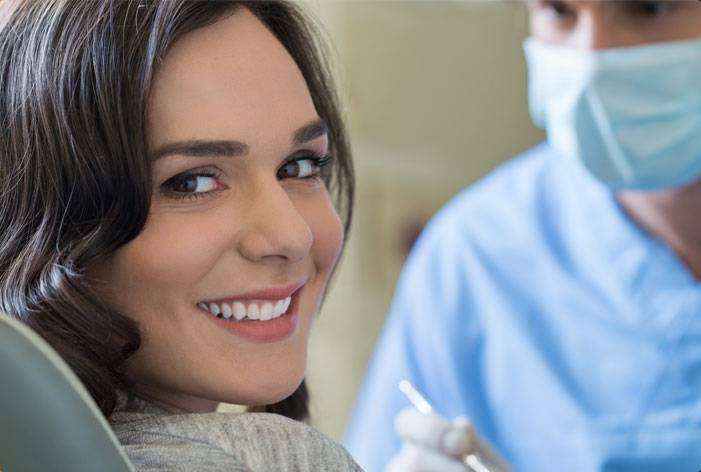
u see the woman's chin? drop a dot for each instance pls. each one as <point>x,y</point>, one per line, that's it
<point>267,394</point>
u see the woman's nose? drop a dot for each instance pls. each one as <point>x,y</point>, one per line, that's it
<point>275,231</point>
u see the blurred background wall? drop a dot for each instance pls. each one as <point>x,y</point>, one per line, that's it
<point>435,97</point>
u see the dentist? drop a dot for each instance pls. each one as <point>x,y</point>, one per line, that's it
<point>557,303</point>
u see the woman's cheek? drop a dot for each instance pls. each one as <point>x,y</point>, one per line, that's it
<point>171,252</point>
<point>327,229</point>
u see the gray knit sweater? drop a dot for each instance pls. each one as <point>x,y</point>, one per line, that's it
<point>155,439</point>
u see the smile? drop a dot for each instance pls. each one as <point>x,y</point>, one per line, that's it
<point>262,310</point>
<point>262,316</point>
<point>262,305</point>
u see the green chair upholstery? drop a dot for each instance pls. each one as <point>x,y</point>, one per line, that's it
<point>48,421</point>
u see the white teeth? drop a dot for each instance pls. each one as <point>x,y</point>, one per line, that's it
<point>266,311</point>
<point>239,310</point>
<point>253,311</point>
<point>277,310</point>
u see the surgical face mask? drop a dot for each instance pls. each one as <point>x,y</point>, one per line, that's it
<point>631,116</point>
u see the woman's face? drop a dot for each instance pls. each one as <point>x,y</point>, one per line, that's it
<point>240,224</point>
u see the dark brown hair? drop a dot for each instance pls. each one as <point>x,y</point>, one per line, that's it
<point>75,181</point>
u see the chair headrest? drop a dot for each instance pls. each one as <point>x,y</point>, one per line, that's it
<point>49,420</point>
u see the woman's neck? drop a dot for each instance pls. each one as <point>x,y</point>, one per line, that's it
<point>177,402</point>
<point>672,216</point>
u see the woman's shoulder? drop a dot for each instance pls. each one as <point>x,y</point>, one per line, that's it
<point>226,441</point>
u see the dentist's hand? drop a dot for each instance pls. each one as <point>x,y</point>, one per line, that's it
<point>432,444</point>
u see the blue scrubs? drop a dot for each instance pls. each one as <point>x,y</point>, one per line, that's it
<point>533,305</point>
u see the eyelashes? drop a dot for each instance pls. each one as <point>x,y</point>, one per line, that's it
<point>302,167</point>
<point>198,183</point>
<point>192,184</point>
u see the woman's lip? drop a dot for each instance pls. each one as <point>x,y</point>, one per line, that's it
<point>263,331</point>
<point>265,294</point>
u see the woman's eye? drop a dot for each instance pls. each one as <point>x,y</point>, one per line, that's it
<point>301,168</point>
<point>192,184</point>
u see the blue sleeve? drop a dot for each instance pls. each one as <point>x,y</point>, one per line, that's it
<point>430,338</point>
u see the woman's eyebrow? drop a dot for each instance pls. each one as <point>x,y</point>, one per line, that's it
<point>310,131</point>
<point>202,148</point>
<point>229,148</point>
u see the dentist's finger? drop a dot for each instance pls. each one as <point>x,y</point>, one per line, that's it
<point>428,430</point>
<point>415,458</point>
<point>434,432</point>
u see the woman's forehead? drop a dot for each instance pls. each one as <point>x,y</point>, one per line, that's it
<point>232,79</point>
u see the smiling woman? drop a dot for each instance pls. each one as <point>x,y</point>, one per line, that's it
<point>173,175</point>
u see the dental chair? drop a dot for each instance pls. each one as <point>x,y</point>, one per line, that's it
<point>48,421</point>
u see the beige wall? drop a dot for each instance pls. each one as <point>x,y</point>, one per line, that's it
<point>435,95</point>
